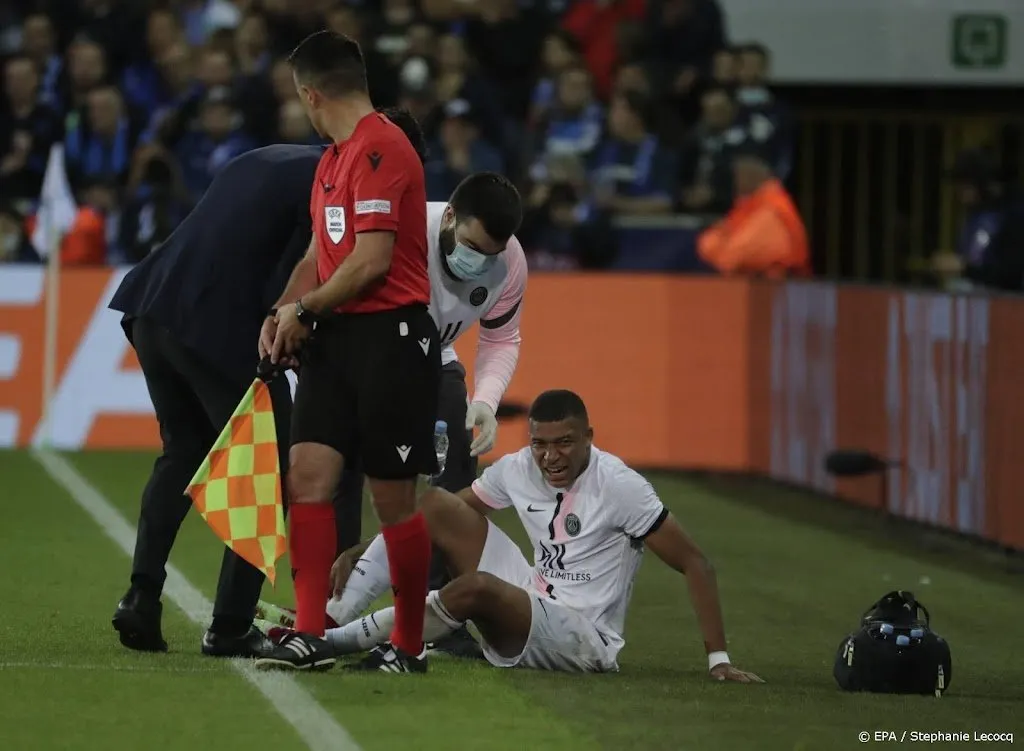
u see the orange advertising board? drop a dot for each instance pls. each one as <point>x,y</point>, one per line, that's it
<point>677,372</point>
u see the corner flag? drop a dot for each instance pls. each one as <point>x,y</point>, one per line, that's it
<point>57,208</point>
<point>237,489</point>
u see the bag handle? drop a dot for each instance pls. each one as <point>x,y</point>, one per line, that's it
<point>905,596</point>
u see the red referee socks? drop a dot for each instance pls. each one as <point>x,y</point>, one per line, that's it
<point>408,546</point>
<point>312,542</point>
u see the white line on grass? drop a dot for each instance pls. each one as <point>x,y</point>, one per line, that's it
<point>313,723</point>
<point>103,668</point>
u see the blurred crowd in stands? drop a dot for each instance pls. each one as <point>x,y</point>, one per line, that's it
<point>596,108</point>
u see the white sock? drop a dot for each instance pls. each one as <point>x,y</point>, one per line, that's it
<point>437,621</point>
<point>366,633</point>
<point>369,580</point>
<point>362,634</point>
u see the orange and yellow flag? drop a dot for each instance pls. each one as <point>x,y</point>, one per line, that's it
<point>237,490</point>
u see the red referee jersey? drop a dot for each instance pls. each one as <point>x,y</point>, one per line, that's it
<point>373,181</point>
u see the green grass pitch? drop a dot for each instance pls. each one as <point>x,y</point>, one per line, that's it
<point>794,572</point>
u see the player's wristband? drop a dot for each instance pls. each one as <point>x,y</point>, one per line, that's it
<point>717,658</point>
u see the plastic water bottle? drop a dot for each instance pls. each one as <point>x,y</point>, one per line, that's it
<point>440,445</point>
<point>902,641</point>
<point>886,629</point>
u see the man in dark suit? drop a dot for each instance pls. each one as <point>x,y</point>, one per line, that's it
<point>193,310</point>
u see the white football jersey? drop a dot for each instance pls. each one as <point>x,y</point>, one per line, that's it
<point>456,305</point>
<point>588,539</point>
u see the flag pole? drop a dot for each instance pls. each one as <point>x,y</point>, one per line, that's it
<point>50,331</point>
<point>54,219</point>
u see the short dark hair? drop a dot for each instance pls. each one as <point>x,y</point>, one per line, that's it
<point>331,63</point>
<point>409,125</point>
<point>557,405</point>
<point>491,199</point>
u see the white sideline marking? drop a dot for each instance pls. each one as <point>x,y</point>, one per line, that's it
<point>91,668</point>
<point>319,730</point>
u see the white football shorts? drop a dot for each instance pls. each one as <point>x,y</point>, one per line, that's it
<point>560,637</point>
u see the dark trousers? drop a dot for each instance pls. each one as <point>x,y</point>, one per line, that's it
<point>459,471</point>
<point>193,403</point>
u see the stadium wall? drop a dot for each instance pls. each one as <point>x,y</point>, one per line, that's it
<point>678,372</point>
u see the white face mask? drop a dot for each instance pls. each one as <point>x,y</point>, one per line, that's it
<point>465,263</point>
<point>468,264</point>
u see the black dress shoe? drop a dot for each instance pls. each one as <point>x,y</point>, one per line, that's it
<point>137,621</point>
<point>251,644</point>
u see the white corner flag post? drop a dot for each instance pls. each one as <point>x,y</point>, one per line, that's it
<point>54,219</point>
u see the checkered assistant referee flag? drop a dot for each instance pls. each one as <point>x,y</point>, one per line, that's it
<point>237,489</point>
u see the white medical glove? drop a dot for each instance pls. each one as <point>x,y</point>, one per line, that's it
<point>481,416</point>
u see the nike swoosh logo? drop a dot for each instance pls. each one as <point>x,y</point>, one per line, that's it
<point>531,508</point>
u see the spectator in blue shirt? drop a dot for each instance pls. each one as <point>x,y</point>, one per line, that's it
<point>559,52</point>
<point>87,68</point>
<point>214,70</point>
<point>202,153</point>
<point>184,93</point>
<point>462,152</point>
<point>575,123</point>
<point>39,43</point>
<point>143,85</point>
<point>98,147</point>
<point>632,171</point>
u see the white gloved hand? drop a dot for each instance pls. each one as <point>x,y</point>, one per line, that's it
<point>479,415</point>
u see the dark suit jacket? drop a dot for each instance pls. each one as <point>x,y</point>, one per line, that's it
<point>213,280</point>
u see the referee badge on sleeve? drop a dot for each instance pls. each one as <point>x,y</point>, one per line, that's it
<point>334,218</point>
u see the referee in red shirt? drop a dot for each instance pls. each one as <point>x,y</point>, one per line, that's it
<point>370,374</point>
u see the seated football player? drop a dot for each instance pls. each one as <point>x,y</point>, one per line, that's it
<point>589,518</point>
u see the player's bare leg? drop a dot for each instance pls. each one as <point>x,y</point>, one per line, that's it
<point>455,529</point>
<point>407,541</point>
<point>313,474</point>
<point>500,610</point>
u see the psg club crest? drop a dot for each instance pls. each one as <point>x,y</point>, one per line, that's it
<point>477,296</point>
<point>334,216</point>
<point>572,525</point>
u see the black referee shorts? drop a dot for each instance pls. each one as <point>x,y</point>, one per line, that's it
<point>368,388</point>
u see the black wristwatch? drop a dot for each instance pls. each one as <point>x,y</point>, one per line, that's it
<point>306,317</point>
